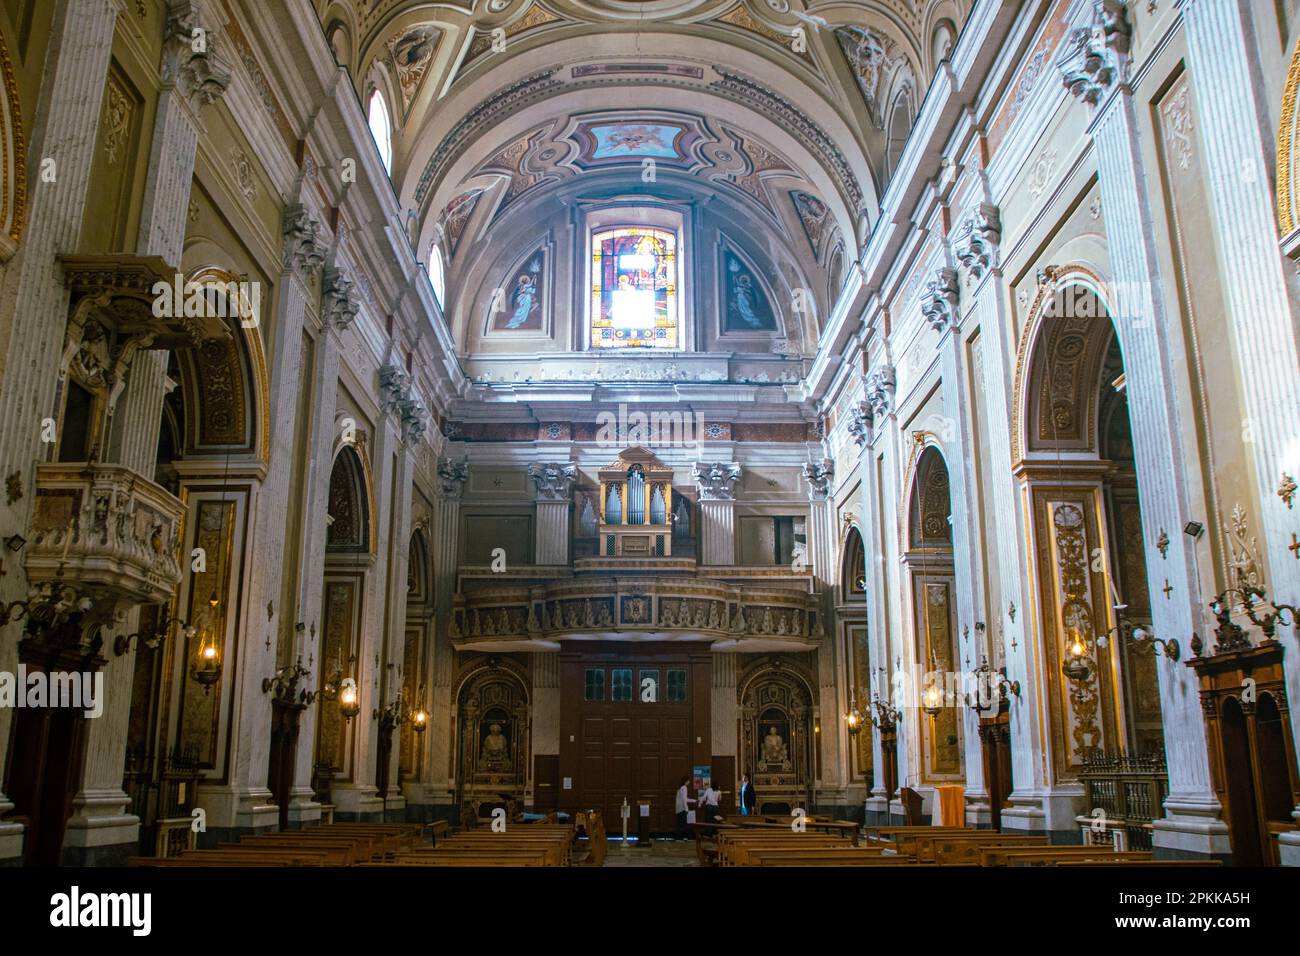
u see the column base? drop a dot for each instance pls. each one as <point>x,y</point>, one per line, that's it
<point>354,804</point>
<point>303,807</point>
<point>1288,848</point>
<point>11,844</point>
<point>395,809</point>
<point>1192,829</point>
<point>100,832</point>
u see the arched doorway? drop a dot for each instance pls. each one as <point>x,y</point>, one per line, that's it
<point>419,613</point>
<point>1075,463</point>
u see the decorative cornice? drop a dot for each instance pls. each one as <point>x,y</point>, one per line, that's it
<point>339,301</point>
<point>716,480</point>
<point>302,249</point>
<point>554,482</point>
<point>978,238</point>
<point>939,301</point>
<point>819,476</point>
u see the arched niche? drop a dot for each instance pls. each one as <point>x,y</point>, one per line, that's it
<point>350,505</point>
<point>853,566</point>
<point>1074,451</point>
<point>777,740</point>
<point>224,384</point>
<point>493,735</point>
<point>929,562</point>
<point>13,160</point>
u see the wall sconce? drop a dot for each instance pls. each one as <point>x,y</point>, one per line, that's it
<point>1141,638</point>
<point>887,715</point>
<point>1255,598</point>
<point>152,639</point>
<point>349,699</point>
<point>419,720</point>
<point>853,719</point>
<point>206,669</point>
<point>1076,666</point>
<point>933,702</point>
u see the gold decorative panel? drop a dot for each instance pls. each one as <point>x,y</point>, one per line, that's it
<point>338,646</point>
<point>200,712</point>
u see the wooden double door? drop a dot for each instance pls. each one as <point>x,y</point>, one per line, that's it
<point>634,720</point>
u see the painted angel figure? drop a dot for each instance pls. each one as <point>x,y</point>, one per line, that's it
<point>742,297</point>
<point>525,297</point>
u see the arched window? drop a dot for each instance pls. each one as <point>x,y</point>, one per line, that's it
<point>437,274</point>
<point>901,116</point>
<point>381,128</point>
<point>634,288</point>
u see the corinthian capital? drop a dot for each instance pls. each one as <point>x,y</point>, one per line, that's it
<point>554,482</point>
<point>189,60</point>
<point>880,390</point>
<point>818,474</point>
<point>939,301</point>
<point>339,301</point>
<point>977,238</point>
<point>452,475</point>
<point>716,480</point>
<point>1091,63</point>
<point>302,247</point>
<point>861,418</point>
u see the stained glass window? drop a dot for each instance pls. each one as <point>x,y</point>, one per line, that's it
<point>634,288</point>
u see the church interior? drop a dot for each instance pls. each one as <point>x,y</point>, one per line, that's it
<point>507,433</point>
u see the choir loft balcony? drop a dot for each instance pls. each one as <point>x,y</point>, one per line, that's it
<point>105,530</point>
<point>731,616</point>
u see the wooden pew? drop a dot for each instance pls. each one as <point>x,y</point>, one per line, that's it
<point>962,849</point>
<point>1046,856</point>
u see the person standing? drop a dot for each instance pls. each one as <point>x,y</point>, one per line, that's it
<point>712,797</point>
<point>748,799</point>
<point>683,831</point>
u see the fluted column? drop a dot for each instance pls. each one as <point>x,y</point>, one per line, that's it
<point>833,670</point>
<point>717,483</point>
<point>1237,138</point>
<point>725,710</point>
<point>134,441</point>
<point>554,484</point>
<point>80,44</point>
<point>959,453</point>
<point>452,475</point>
<point>546,703</point>
<point>1144,328</point>
<point>191,81</point>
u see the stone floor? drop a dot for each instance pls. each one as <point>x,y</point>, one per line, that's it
<point>660,853</point>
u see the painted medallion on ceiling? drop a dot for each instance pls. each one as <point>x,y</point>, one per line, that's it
<point>611,141</point>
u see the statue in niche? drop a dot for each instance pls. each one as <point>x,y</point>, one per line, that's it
<point>495,752</point>
<point>775,750</point>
